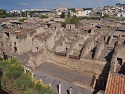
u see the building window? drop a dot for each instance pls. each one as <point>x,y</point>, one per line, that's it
<point>7,34</point>
<point>37,48</point>
<point>15,43</point>
<point>66,48</point>
<point>119,60</point>
<point>15,49</point>
<point>70,27</point>
<point>123,35</point>
<point>16,37</point>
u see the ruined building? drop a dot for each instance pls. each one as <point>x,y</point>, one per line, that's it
<point>89,52</point>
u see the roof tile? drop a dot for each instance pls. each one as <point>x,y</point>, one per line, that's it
<point>115,84</point>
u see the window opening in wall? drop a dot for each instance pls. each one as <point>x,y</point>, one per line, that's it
<point>37,48</point>
<point>15,43</point>
<point>108,39</point>
<point>66,48</point>
<point>123,35</point>
<point>119,60</point>
<point>89,31</point>
<point>15,49</point>
<point>16,37</point>
<point>1,44</point>
<point>68,92</point>
<point>70,27</point>
<point>58,88</point>
<point>27,71</point>
<point>48,25</point>
<point>122,70</point>
<point>115,36</point>
<point>7,34</point>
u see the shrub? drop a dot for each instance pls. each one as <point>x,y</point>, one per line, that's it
<point>13,78</point>
<point>22,19</point>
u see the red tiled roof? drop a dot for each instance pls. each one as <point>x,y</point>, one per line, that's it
<point>115,84</point>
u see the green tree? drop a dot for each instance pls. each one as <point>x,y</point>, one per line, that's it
<point>31,13</point>
<point>63,24</point>
<point>73,9</point>
<point>63,15</point>
<point>2,13</point>
<point>24,81</point>
<point>69,15</point>
<point>8,14</point>
<point>13,70</point>
<point>45,88</point>
<point>17,82</point>
<point>72,20</point>
<point>24,14</point>
<point>28,91</point>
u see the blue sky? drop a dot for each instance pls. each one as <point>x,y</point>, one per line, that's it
<point>28,4</point>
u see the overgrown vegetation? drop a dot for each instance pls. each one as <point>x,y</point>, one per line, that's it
<point>70,20</point>
<point>16,81</point>
<point>63,15</point>
<point>63,24</point>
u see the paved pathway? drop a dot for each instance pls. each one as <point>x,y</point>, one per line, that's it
<point>51,73</point>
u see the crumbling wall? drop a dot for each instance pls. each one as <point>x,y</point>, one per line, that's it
<point>36,58</point>
<point>99,48</point>
<point>37,45</point>
<point>89,45</point>
<point>24,45</point>
<point>39,30</point>
<point>50,42</point>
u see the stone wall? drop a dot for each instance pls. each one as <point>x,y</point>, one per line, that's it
<point>23,45</point>
<point>36,58</point>
<point>73,64</point>
<point>26,45</point>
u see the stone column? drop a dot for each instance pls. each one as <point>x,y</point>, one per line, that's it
<point>70,90</point>
<point>24,70</point>
<point>59,87</point>
<point>32,76</point>
<point>50,84</point>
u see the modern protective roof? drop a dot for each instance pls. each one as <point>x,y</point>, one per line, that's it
<point>115,84</point>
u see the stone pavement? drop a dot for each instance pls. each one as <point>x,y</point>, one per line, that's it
<point>54,74</point>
